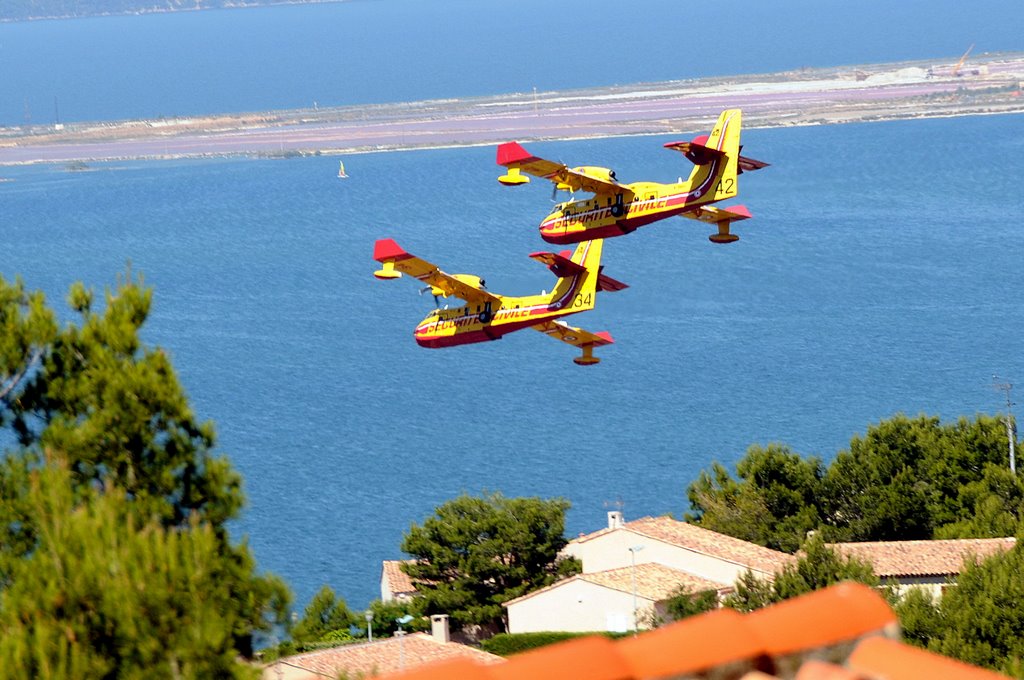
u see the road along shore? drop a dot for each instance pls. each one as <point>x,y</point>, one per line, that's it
<point>989,85</point>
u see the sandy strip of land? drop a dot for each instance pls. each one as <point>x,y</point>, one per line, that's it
<point>807,97</point>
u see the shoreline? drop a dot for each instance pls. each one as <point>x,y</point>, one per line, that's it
<point>836,95</point>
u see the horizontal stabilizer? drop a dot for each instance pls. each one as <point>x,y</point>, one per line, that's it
<point>574,336</point>
<point>750,164</point>
<point>608,284</point>
<point>712,214</point>
<point>560,265</point>
<point>695,151</point>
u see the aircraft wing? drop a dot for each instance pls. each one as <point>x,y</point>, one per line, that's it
<point>396,261</point>
<point>514,156</point>
<point>577,337</point>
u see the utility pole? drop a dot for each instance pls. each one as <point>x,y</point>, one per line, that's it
<point>1011,431</point>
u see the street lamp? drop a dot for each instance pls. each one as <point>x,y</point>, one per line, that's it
<point>633,551</point>
<point>369,624</point>
<point>401,639</point>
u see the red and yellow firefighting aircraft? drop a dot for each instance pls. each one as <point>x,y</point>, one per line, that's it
<point>488,316</point>
<point>618,208</point>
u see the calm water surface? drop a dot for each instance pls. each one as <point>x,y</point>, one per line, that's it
<point>881,274</point>
<point>369,51</point>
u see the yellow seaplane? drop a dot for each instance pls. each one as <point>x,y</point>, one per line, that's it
<point>618,208</point>
<point>489,316</point>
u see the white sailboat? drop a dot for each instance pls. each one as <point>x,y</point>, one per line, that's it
<point>341,170</point>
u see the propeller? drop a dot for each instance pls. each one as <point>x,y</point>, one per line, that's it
<point>437,302</point>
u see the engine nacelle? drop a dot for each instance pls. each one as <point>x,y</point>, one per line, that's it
<point>469,279</point>
<point>604,174</point>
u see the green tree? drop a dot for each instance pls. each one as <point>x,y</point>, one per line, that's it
<point>325,613</point>
<point>111,410</point>
<point>905,479</point>
<point>817,566</point>
<point>982,618</point>
<point>104,594</point>
<point>386,615</point>
<point>477,552</point>
<point>685,602</point>
<point>773,501</point>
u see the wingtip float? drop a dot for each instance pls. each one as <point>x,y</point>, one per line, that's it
<point>618,208</point>
<point>489,316</point>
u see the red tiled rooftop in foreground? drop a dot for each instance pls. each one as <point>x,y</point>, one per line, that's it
<point>843,612</point>
<point>699,539</point>
<point>880,658</point>
<point>892,559</point>
<point>789,640</point>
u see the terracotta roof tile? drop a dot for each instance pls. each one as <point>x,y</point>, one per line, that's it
<point>385,656</point>
<point>922,558</point>
<point>840,613</point>
<point>654,581</point>
<point>398,582</point>
<point>453,669</point>
<point>881,658</point>
<point>587,658</point>
<point>705,541</point>
<point>725,643</point>
<point>691,645</point>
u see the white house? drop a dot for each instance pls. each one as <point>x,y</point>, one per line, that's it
<point>683,546</point>
<point>612,600</point>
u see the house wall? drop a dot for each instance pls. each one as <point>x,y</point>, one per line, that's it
<point>611,551</point>
<point>933,584</point>
<point>576,606</point>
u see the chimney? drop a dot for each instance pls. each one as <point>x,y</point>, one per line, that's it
<point>439,627</point>
<point>615,519</point>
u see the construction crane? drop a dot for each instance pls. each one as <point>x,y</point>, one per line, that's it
<point>960,64</point>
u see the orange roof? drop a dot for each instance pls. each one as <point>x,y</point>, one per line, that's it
<point>730,644</point>
<point>453,669</point>
<point>893,660</point>
<point>587,658</point>
<point>843,612</point>
<point>654,582</point>
<point>691,645</point>
<point>384,656</point>
<point>701,540</point>
<point>397,581</point>
<point>891,559</point>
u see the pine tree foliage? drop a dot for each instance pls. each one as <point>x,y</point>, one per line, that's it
<point>477,552</point>
<point>93,399</point>
<point>817,566</point>
<point>905,479</point>
<point>105,595</point>
<point>325,613</point>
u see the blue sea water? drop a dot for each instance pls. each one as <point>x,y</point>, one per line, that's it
<point>881,274</point>
<point>371,51</point>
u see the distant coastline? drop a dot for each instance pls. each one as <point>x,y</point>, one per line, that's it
<point>101,8</point>
<point>806,97</point>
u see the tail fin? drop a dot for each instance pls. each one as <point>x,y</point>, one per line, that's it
<point>716,156</point>
<point>578,289</point>
<point>725,138</point>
